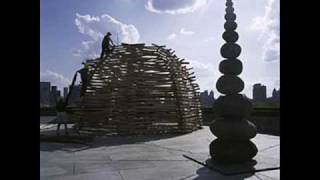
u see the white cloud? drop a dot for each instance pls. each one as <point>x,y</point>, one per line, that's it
<point>87,44</point>
<point>209,39</point>
<point>185,32</point>
<point>86,23</point>
<point>199,65</point>
<point>269,27</point>
<point>55,78</point>
<point>77,52</point>
<point>93,55</point>
<point>128,33</point>
<point>95,27</point>
<point>277,84</point>
<point>205,76</point>
<point>182,32</point>
<point>172,36</point>
<point>175,6</point>
<point>272,47</point>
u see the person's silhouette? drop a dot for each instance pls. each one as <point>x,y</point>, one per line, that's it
<point>61,116</point>
<point>107,45</point>
<point>84,73</point>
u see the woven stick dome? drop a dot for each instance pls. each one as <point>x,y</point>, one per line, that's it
<point>140,89</point>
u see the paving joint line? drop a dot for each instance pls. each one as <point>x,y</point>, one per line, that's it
<point>266,176</point>
<point>152,166</point>
<point>270,147</point>
<point>173,149</point>
<point>150,160</point>
<point>257,177</point>
<point>122,177</point>
<point>74,164</point>
<point>192,175</point>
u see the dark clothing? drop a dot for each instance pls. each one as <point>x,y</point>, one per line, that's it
<point>106,46</point>
<point>84,79</point>
<point>106,41</point>
<point>61,116</point>
<point>105,52</point>
<point>84,74</point>
<point>62,119</point>
<point>60,106</point>
<point>71,87</point>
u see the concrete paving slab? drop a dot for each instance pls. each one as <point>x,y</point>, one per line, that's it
<point>261,162</point>
<point>92,176</point>
<point>206,174</point>
<point>147,158</point>
<point>131,165</point>
<point>265,141</point>
<point>271,152</point>
<point>132,148</point>
<point>168,170</point>
<point>269,175</point>
<point>84,168</point>
<point>51,171</point>
<point>56,168</point>
<point>142,155</point>
<point>92,157</point>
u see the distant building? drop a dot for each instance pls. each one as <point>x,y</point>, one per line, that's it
<point>58,94</point>
<point>65,92</point>
<point>211,96</point>
<point>53,95</point>
<point>259,92</point>
<point>45,94</point>
<point>275,96</point>
<point>75,95</point>
<point>206,99</point>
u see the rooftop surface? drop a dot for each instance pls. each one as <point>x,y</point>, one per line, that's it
<point>148,158</point>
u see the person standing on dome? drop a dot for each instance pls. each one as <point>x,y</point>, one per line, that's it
<point>107,45</point>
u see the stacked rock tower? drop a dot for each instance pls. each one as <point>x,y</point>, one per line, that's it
<point>231,127</point>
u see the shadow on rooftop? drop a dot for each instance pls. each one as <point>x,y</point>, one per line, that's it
<point>207,174</point>
<point>73,142</point>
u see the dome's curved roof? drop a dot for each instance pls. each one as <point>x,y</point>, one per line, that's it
<point>140,89</point>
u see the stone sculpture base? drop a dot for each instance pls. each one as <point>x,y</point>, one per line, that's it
<point>230,169</point>
<point>258,164</point>
<point>230,151</point>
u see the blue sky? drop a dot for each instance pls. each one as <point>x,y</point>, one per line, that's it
<point>71,31</point>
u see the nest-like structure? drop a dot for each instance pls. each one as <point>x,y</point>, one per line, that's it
<point>140,89</point>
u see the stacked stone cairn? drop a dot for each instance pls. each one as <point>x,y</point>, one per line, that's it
<point>231,127</point>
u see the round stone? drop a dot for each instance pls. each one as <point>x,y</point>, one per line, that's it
<point>233,107</point>
<point>230,36</point>
<point>230,67</point>
<point>230,17</point>
<point>232,151</point>
<point>229,84</point>
<point>229,9</point>
<point>230,25</point>
<point>233,130</point>
<point>244,165</point>
<point>230,50</point>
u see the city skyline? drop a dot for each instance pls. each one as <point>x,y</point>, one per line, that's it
<point>71,31</point>
<point>62,90</point>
